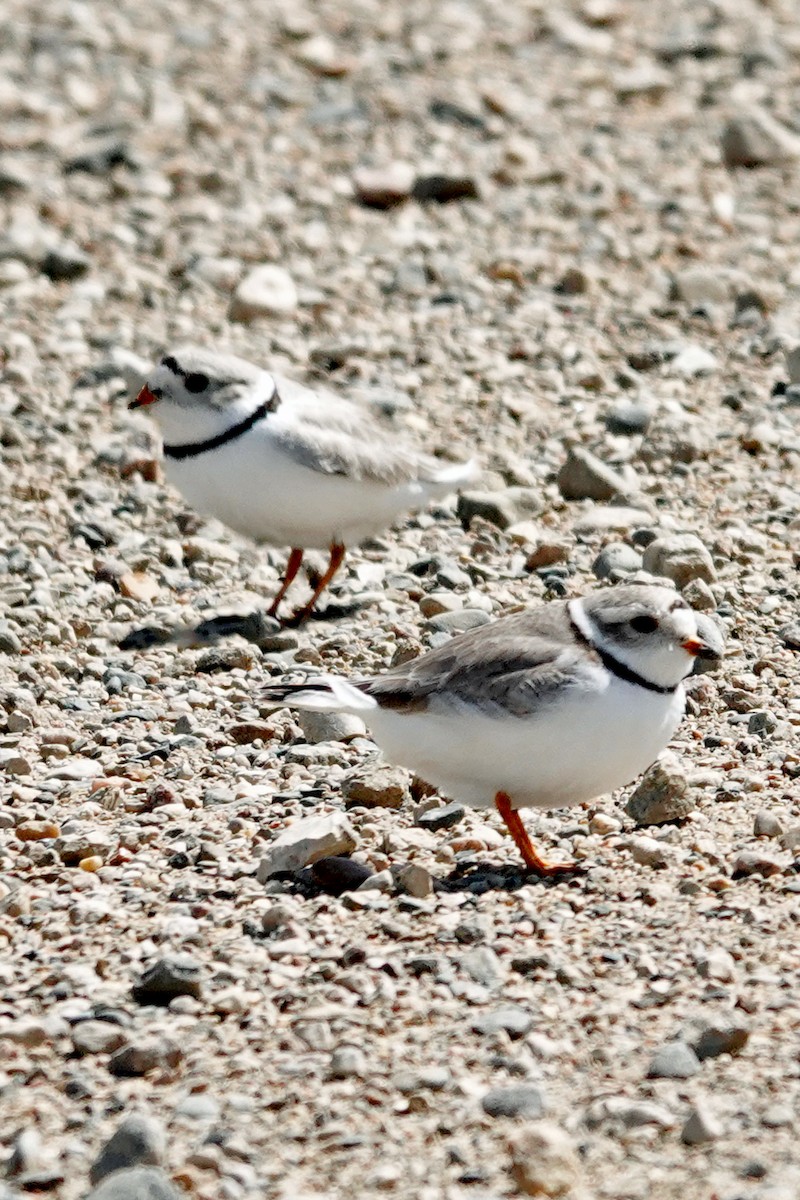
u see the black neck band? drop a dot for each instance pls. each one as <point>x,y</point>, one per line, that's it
<point>192,449</point>
<point>616,667</point>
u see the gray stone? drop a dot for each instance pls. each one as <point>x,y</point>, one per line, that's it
<point>168,978</point>
<point>509,1018</point>
<point>662,793</point>
<point>628,418</point>
<point>330,726</point>
<point>700,1126</point>
<point>616,560</point>
<point>305,841</point>
<point>381,786</point>
<point>629,1113</point>
<point>585,477</point>
<point>483,965</point>
<point>9,642</point>
<point>702,287</point>
<point>753,862</point>
<point>414,880</point>
<point>790,838</point>
<point>756,139</point>
<point>139,1183</point>
<point>790,636</point>
<point>266,291</point>
<point>680,557</point>
<point>698,595</point>
<point>717,964</point>
<point>524,1100</point>
<point>713,636</point>
<point>139,1140</point>
<point>648,852</point>
<point>766,824</point>
<point>792,357</point>
<point>346,1062</point>
<point>674,1060</point>
<point>145,1054</point>
<point>502,509</point>
<point>73,847</point>
<point>424,1079</point>
<point>97,1037</point>
<point>544,1160</point>
<point>444,817</point>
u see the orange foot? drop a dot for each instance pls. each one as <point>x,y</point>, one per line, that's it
<point>533,861</point>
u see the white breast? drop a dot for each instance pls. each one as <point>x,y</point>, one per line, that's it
<point>590,744</point>
<point>256,489</point>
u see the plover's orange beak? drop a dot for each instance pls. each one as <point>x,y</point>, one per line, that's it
<point>699,649</point>
<point>145,397</point>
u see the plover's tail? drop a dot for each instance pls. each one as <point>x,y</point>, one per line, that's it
<point>326,693</point>
<point>442,480</point>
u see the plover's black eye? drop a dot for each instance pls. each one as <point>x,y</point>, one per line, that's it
<point>171,364</point>
<point>195,382</point>
<point>644,624</point>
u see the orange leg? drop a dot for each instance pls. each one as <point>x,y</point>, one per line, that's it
<point>335,561</point>
<point>513,823</point>
<point>292,567</point>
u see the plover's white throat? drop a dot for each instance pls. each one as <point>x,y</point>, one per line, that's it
<point>542,709</point>
<point>282,463</point>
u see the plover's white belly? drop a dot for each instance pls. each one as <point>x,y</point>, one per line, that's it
<point>259,491</point>
<point>590,743</point>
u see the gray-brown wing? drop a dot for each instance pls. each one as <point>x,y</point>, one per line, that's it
<point>513,665</point>
<point>326,433</point>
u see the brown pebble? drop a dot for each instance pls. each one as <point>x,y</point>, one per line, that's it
<point>93,863</point>
<point>36,831</point>
<point>251,731</point>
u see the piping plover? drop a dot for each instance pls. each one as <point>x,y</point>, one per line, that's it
<point>541,709</point>
<point>282,463</point>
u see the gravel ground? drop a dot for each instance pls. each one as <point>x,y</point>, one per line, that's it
<point>524,231</point>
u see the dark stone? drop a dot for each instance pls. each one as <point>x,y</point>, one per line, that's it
<point>442,818</point>
<point>446,110</point>
<point>721,1038</point>
<point>138,1141</point>
<point>99,155</point>
<point>166,979</point>
<point>444,188</point>
<point>526,1100</point>
<point>337,874</point>
<point>628,418</point>
<point>790,636</point>
<point>64,263</point>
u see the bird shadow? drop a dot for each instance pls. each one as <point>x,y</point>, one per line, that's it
<point>258,628</point>
<point>478,877</point>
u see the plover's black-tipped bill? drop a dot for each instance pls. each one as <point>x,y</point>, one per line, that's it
<point>145,397</point>
<point>700,649</point>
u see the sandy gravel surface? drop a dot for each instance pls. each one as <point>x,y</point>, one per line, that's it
<point>523,231</point>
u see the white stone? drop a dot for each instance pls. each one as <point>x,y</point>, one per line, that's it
<point>267,291</point>
<point>304,842</point>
